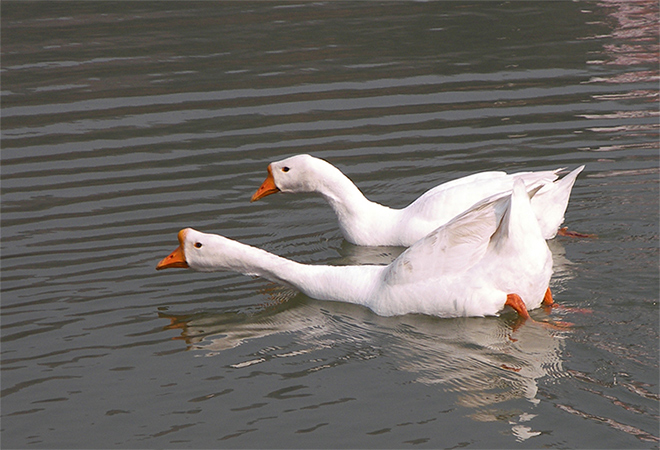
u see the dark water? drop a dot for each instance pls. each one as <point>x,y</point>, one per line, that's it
<point>125,122</point>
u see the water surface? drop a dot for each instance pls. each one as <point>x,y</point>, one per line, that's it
<point>125,122</point>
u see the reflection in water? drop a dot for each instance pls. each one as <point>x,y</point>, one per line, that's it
<point>562,268</point>
<point>632,45</point>
<point>634,33</point>
<point>483,360</point>
<point>359,255</point>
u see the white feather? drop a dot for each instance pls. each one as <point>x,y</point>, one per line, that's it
<point>466,267</point>
<point>363,222</point>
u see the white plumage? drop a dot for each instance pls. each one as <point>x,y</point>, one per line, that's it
<point>487,257</point>
<point>363,222</point>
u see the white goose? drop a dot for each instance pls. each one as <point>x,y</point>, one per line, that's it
<point>486,258</point>
<point>363,222</point>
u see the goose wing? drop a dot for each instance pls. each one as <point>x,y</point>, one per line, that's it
<point>451,198</point>
<point>452,248</point>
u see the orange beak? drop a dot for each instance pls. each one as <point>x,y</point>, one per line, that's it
<point>267,187</point>
<point>176,259</point>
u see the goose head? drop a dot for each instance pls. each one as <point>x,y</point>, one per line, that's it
<point>297,174</point>
<point>198,251</point>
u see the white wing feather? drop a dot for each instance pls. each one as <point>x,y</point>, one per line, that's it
<point>452,248</point>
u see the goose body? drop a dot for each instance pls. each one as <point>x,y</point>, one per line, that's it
<point>490,256</point>
<point>363,222</point>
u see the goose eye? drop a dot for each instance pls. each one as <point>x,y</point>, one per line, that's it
<point>285,169</point>
<point>198,245</point>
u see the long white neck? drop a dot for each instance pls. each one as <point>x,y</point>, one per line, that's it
<point>352,284</point>
<point>361,221</point>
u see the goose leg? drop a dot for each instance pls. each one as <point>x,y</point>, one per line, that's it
<point>547,298</point>
<point>514,301</point>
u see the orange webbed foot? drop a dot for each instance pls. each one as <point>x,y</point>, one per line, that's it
<point>548,302</point>
<point>563,231</point>
<point>515,302</point>
<point>547,298</point>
